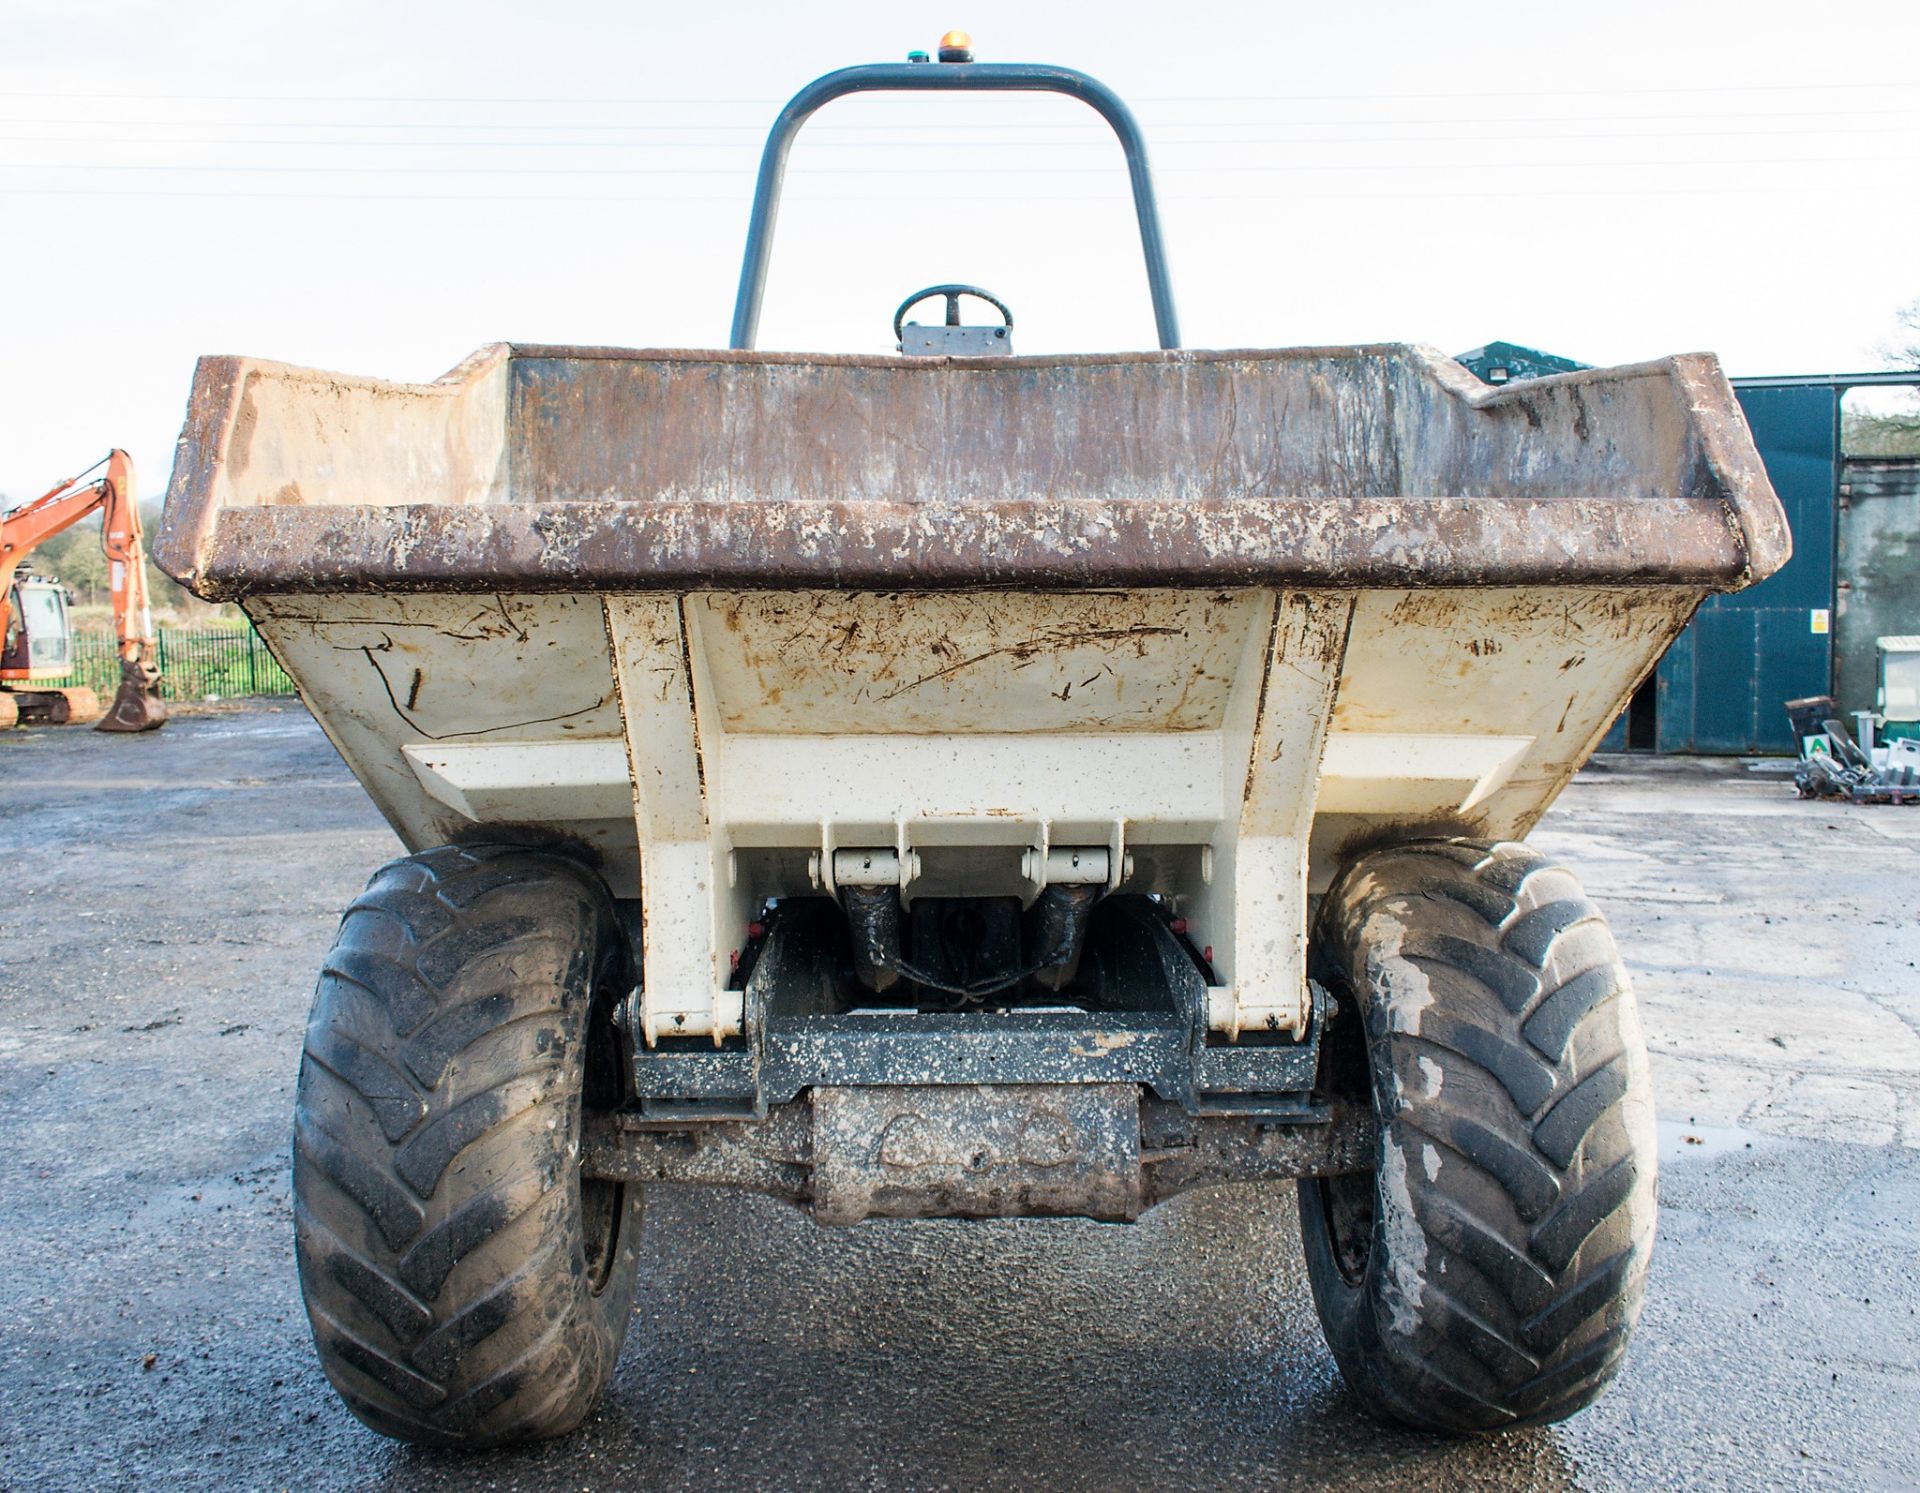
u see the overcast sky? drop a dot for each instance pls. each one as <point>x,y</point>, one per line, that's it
<point>381,188</point>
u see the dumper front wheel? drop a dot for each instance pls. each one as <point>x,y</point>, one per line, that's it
<point>1489,1270</point>
<point>466,1286</point>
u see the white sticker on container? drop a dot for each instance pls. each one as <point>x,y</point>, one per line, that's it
<point>1820,619</point>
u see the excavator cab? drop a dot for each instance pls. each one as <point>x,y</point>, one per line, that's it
<point>39,643</point>
<point>37,647</point>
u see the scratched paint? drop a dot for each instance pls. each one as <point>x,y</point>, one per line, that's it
<point>821,662</point>
<point>382,673</point>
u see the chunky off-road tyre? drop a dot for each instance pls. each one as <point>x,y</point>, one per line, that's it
<point>466,1287</point>
<point>1489,1270</point>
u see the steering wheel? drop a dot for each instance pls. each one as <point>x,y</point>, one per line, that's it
<point>953,294</point>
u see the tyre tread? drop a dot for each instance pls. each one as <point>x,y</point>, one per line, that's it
<point>451,1013</point>
<point>1536,1197</point>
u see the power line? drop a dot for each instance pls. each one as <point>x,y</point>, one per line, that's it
<point>1024,145</point>
<point>735,202</point>
<point>1850,85</point>
<point>756,129</point>
<point>737,171</point>
<point>1534,92</point>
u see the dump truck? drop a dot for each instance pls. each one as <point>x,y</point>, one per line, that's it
<point>947,782</point>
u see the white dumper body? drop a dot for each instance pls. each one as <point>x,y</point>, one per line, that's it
<point>1221,616</point>
<point>973,785</point>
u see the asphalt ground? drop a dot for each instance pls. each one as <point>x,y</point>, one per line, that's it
<point>166,900</point>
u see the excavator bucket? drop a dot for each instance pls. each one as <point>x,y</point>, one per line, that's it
<point>137,705</point>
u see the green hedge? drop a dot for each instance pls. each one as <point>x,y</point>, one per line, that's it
<point>196,663</point>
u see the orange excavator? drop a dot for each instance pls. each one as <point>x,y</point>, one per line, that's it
<point>38,643</point>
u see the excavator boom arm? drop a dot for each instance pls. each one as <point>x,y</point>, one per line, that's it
<point>63,506</point>
<point>137,705</point>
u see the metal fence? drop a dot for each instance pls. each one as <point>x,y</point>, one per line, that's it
<point>196,663</point>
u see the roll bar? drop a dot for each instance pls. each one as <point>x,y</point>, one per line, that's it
<point>945,77</point>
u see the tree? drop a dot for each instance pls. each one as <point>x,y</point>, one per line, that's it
<point>1893,429</point>
<point>76,559</point>
<point>1904,349</point>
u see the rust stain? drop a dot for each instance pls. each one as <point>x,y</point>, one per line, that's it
<point>1066,544</point>
<point>1102,1043</point>
<point>769,470</point>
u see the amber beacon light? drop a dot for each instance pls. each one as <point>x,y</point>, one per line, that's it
<point>956,46</point>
